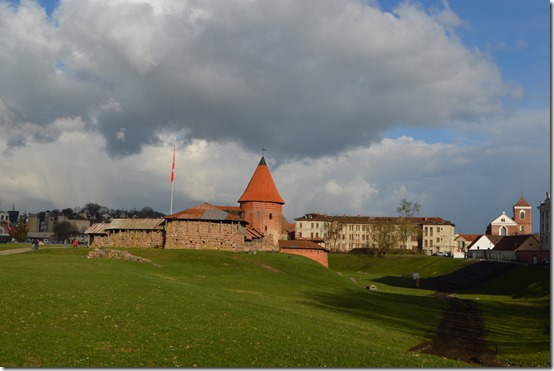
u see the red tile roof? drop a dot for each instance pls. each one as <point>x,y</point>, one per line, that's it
<point>522,202</point>
<point>204,211</point>
<point>468,237</point>
<point>261,187</point>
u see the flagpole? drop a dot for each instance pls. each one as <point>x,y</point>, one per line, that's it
<point>172,178</point>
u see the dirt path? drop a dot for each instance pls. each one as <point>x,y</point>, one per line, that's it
<point>15,251</point>
<point>460,335</point>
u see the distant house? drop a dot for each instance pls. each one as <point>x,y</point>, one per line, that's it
<point>481,245</point>
<point>510,247</point>
<point>464,240</point>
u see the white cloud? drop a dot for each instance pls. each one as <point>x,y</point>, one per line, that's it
<point>92,101</point>
<point>240,71</point>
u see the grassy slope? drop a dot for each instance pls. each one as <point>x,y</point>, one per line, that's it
<point>212,309</point>
<point>516,309</point>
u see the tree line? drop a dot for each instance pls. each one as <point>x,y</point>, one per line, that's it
<point>94,212</point>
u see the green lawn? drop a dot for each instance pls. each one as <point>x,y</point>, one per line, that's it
<point>224,309</point>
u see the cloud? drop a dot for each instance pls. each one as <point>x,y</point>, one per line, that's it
<point>303,78</point>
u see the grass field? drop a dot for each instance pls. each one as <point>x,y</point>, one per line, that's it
<point>223,309</point>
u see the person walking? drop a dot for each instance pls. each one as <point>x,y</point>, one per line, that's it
<point>75,243</point>
<point>64,243</point>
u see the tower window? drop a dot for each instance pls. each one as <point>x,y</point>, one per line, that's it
<point>522,214</point>
<point>270,216</point>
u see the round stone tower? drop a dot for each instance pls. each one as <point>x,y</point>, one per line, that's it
<point>261,204</point>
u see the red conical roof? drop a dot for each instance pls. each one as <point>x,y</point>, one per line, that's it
<point>522,202</point>
<point>261,187</point>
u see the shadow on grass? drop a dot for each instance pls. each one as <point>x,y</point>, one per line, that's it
<point>413,315</point>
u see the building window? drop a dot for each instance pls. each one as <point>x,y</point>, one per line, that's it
<point>270,216</point>
<point>258,215</point>
<point>300,225</point>
<point>521,228</point>
<point>522,214</point>
<point>503,231</point>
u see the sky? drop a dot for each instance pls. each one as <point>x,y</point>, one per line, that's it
<point>357,103</point>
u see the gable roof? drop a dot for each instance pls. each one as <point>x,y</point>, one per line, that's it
<point>467,237</point>
<point>204,211</point>
<point>507,220</point>
<point>512,243</point>
<point>492,239</point>
<point>261,186</point>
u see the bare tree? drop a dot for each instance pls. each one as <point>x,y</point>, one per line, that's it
<point>92,210</point>
<point>64,230</point>
<point>407,210</point>
<point>385,234</point>
<point>332,232</point>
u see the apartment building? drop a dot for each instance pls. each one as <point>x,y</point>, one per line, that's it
<point>344,233</point>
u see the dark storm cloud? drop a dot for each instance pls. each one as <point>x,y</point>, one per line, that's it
<point>304,78</point>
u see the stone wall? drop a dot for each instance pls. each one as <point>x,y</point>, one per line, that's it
<point>204,234</point>
<point>130,238</point>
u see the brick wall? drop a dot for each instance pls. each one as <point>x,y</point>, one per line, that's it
<point>201,234</point>
<point>526,256</point>
<point>319,255</point>
<point>265,217</point>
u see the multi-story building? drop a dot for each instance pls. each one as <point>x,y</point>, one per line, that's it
<point>437,234</point>
<point>344,233</point>
<point>4,236</point>
<point>545,231</point>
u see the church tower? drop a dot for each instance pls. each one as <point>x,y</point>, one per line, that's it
<point>522,216</point>
<point>261,204</point>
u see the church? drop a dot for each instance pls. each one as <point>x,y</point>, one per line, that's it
<point>519,224</point>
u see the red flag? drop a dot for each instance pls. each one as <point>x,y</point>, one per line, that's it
<point>173,166</point>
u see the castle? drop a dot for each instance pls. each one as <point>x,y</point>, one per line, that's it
<point>254,225</point>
